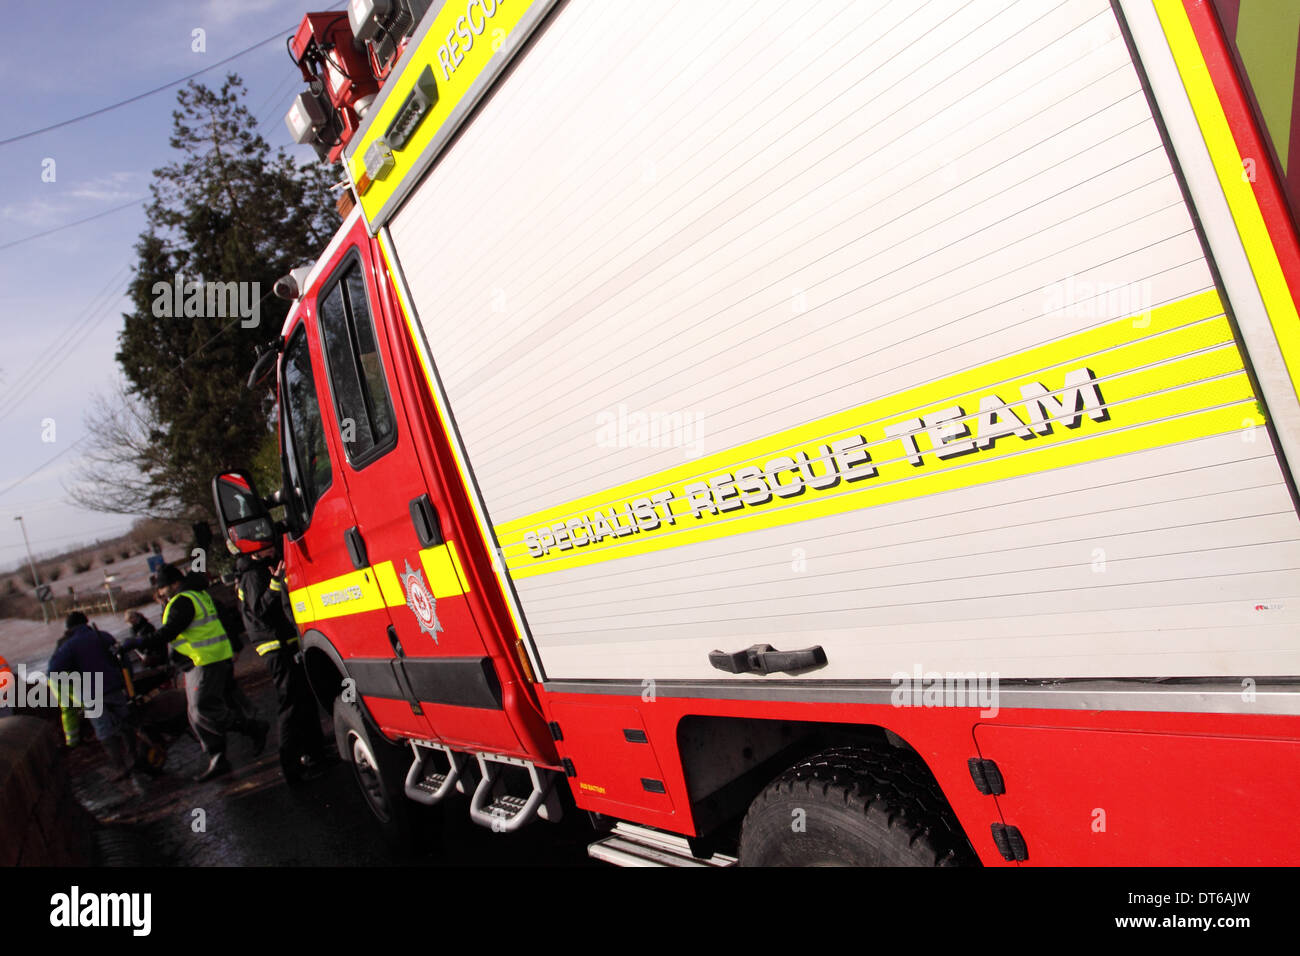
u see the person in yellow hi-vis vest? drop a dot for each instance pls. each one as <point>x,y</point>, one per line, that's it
<point>191,628</point>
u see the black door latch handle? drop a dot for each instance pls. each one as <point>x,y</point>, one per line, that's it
<point>356,547</point>
<point>765,659</point>
<point>424,516</point>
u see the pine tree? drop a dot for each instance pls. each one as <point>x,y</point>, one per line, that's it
<point>226,210</point>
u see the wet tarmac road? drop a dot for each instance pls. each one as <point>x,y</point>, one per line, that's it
<point>251,818</point>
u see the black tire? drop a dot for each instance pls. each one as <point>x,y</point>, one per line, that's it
<point>379,769</point>
<point>854,806</point>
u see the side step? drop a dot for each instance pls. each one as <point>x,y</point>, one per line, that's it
<point>427,785</point>
<point>503,812</point>
<point>632,845</point>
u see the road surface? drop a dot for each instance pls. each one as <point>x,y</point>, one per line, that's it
<point>251,818</point>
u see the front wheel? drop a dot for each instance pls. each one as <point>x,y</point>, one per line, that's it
<point>854,806</point>
<point>379,769</point>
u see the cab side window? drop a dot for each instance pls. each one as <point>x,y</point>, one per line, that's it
<point>306,453</point>
<point>356,371</point>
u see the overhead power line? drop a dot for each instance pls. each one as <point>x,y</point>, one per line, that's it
<point>57,352</point>
<point>157,89</point>
<point>49,461</point>
<point>59,538</point>
<point>140,96</point>
<point>69,225</point>
<point>260,125</point>
<point>39,468</point>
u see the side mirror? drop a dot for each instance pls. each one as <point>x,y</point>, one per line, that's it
<point>245,522</point>
<point>264,367</point>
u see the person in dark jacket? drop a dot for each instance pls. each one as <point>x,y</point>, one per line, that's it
<point>90,655</point>
<point>273,634</point>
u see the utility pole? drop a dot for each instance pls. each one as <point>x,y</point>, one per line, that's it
<point>36,578</point>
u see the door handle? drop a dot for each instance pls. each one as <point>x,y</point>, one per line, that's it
<point>356,547</point>
<point>399,671</point>
<point>765,659</point>
<point>424,516</point>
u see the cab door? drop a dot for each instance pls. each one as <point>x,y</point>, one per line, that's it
<point>328,592</point>
<point>404,530</point>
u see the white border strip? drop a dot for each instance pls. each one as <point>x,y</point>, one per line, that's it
<point>462,459</point>
<point>1246,304</point>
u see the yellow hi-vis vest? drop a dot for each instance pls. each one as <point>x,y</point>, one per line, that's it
<point>204,641</point>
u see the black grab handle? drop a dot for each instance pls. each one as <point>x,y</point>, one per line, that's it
<point>765,659</point>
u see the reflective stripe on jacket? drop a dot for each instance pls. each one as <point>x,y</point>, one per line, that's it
<point>266,647</point>
<point>204,641</point>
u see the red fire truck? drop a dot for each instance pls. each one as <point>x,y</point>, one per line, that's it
<point>836,432</point>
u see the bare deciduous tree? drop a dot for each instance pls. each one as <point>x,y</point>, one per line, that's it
<point>124,449</point>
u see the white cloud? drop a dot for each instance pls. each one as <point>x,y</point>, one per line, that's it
<point>74,202</point>
<point>113,187</point>
<point>33,212</point>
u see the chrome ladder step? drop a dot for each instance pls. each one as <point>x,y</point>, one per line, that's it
<point>429,786</point>
<point>632,845</point>
<point>494,807</point>
<point>507,804</point>
<point>433,782</point>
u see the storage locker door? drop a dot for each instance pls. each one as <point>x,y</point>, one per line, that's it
<point>880,327</point>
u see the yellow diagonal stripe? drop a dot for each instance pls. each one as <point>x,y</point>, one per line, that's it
<point>460,571</point>
<point>1167,377</point>
<point>300,602</point>
<point>440,569</point>
<point>389,586</point>
<point>349,593</point>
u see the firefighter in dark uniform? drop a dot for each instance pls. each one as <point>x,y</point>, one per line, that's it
<point>273,634</point>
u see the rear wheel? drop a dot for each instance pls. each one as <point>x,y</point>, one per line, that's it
<point>379,769</point>
<point>854,806</point>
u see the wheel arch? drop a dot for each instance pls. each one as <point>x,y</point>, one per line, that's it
<point>728,761</point>
<point>326,671</point>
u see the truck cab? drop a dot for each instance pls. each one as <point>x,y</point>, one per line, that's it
<point>401,636</point>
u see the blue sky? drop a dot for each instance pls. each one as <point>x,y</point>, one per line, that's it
<point>63,294</point>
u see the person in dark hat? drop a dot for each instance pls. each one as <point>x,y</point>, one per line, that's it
<point>192,628</point>
<point>88,653</point>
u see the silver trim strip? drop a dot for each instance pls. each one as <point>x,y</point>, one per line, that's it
<point>1201,697</point>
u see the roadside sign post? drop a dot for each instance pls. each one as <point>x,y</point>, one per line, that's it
<point>108,586</point>
<point>36,578</point>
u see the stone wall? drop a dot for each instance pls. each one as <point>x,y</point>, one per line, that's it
<point>41,822</point>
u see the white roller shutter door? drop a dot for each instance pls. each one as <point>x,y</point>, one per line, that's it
<point>737,218</point>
